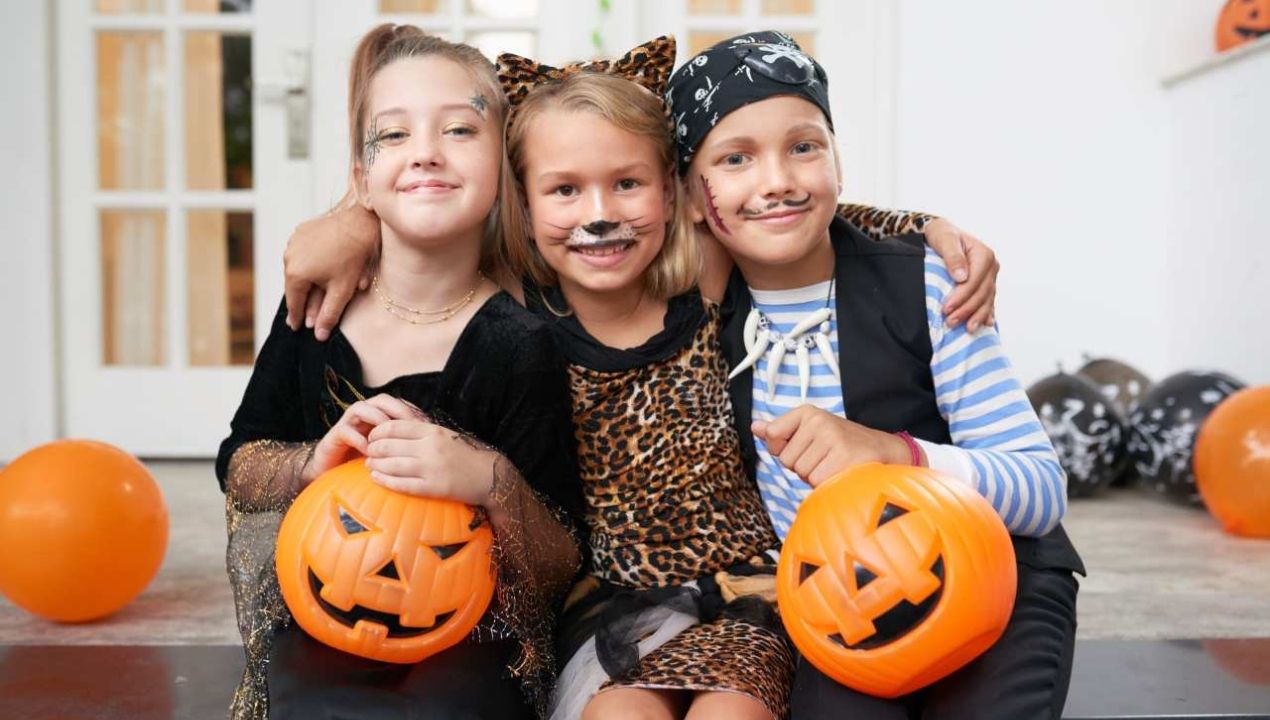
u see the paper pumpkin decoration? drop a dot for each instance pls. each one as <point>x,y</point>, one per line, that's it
<point>1088,431</point>
<point>1232,462</point>
<point>1241,21</point>
<point>380,574</point>
<point>83,527</point>
<point>892,577</point>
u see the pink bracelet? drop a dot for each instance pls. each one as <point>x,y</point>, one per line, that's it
<point>914,452</point>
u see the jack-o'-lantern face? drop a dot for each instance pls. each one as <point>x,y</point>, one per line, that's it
<point>1241,21</point>
<point>379,574</point>
<point>872,596</point>
<point>891,577</point>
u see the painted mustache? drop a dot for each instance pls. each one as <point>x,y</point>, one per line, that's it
<point>750,212</point>
<point>601,232</point>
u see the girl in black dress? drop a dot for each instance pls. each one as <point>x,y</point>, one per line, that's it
<point>442,381</point>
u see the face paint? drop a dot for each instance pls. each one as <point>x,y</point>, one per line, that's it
<point>371,147</point>
<point>714,211</point>
<point>600,227</point>
<point>748,212</point>
<point>601,232</point>
<point>479,103</point>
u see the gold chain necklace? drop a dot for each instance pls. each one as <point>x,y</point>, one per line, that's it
<point>422,317</point>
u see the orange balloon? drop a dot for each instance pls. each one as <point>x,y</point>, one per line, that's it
<point>892,577</point>
<point>1232,462</point>
<point>83,529</point>
<point>380,574</point>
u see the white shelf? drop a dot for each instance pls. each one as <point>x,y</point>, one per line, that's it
<point>1243,52</point>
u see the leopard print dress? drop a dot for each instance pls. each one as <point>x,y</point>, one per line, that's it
<point>668,501</point>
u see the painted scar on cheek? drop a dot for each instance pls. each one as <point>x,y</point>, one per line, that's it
<point>478,103</point>
<point>710,207</point>
<point>370,148</point>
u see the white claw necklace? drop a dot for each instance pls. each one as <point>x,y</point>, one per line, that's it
<point>761,337</point>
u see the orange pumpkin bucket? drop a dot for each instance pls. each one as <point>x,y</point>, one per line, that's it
<point>892,577</point>
<point>379,574</point>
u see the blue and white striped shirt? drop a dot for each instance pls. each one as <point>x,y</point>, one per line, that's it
<point>998,445</point>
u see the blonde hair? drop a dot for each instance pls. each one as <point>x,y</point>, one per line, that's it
<point>388,43</point>
<point>631,108</point>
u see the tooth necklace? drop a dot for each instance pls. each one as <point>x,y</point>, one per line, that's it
<point>421,317</point>
<point>761,336</point>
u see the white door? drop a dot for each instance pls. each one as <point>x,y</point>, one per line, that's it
<point>193,136</point>
<point>182,168</point>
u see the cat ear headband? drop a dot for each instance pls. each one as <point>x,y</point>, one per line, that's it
<point>647,65</point>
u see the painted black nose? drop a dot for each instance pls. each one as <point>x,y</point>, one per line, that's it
<point>600,227</point>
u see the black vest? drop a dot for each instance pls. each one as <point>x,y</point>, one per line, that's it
<point>884,356</point>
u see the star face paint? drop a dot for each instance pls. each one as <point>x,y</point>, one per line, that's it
<point>479,103</point>
<point>370,148</point>
<point>710,207</point>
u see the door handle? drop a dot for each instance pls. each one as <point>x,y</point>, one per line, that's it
<point>292,91</point>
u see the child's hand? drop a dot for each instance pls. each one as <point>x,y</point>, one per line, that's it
<point>327,259</point>
<point>973,266</point>
<point>419,458</point>
<point>817,444</point>
<point>347,437</point>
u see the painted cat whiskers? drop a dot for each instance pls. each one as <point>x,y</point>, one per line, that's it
<point>602,232</point>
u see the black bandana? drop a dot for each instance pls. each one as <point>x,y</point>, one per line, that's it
<point>736,72</point>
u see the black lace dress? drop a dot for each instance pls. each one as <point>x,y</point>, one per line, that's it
<point>505,385</point>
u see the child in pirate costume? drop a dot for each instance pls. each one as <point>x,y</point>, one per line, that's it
<point>839,356</point>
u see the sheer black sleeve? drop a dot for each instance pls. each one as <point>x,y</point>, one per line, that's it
<point>259,467</point>
<point>536,502</point>
<point>259,464</point>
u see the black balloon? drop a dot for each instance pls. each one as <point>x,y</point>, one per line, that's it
<point>1164,426</point>
<point>1119,382</point>
<point>1087,430</point>
<point>1125,386</point>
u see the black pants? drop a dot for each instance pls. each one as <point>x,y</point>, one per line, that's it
<point>1024,676</point>
<point>312,681</point>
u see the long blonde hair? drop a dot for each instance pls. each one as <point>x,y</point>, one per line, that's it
<point>628,107</point>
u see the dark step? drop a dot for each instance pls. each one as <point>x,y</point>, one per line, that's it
<point>1112,679</point>
<point>1156,679</point>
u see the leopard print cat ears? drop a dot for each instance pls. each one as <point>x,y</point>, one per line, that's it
<point>647,65</point>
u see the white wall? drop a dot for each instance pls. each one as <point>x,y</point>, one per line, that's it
<point>1044,129</point>
<point>1219,191</point>
<point>28,408</point>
